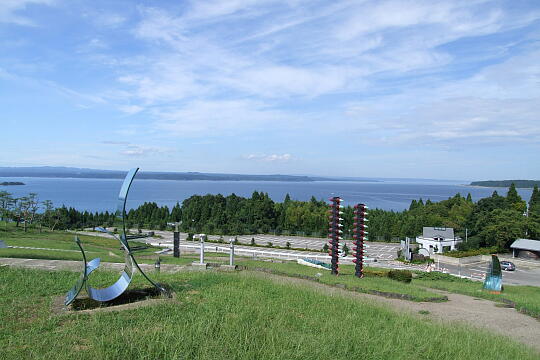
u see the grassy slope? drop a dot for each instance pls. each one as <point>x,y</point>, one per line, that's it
<point>228,316</point>
<point>524,296</point>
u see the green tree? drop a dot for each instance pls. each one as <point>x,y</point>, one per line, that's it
<point>6,202</point>
<point>345,249</point>
<point>515,200</point>
<point>503,228</point>
<point>534,202</point>
<point>512,196</point>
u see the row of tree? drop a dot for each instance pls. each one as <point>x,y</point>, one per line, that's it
<point>496,220</point>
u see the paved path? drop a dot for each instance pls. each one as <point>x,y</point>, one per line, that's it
<point>464,309</point>
<point>77,265</point>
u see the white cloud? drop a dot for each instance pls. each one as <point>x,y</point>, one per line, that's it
<point>499,105</point>
<point>109,19</point>
<point>9,10</point>
<point>140,151</point>
<point>282,81</point>
<point>270,158</point>
<point>209,118</point>
<point>159,25</point>
<point>131,109</point>
<point>220,8</point>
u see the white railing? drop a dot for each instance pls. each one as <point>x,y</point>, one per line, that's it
<point>261,253</point>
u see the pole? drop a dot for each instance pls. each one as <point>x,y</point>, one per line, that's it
<point>176,242</point>
<point>201,239</point>
<point>231,254</point>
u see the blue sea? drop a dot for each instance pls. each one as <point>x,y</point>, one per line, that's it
<point>101,194</point>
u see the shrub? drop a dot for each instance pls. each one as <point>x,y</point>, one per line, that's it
<point>435,275</point>
<point>474,252</point>
<point>288,245</point>
<point>375,273</point>
<point>270,244</point>
<point>400,275</point>
<point>252,241</point>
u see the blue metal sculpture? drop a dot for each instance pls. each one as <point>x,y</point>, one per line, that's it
<point>116,289</point>
<point>493,280</point>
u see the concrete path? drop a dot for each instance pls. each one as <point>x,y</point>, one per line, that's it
<point>77,265</point>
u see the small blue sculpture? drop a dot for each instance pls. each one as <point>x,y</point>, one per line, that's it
<point>116,289</point>
<point>493,281</point>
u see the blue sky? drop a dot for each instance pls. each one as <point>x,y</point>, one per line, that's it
<point>431,89</point>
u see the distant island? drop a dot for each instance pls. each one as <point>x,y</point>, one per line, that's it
<point>8,183</point>
<point>506,183</point>
<point>82,173</point>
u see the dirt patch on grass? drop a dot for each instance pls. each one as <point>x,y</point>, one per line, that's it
<point>471,311</point>
<point>131,299</point>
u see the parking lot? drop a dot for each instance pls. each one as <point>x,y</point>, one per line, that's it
<point>374,250</point>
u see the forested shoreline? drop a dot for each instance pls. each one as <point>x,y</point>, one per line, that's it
<point>520,184</point>
<point>493,221</point>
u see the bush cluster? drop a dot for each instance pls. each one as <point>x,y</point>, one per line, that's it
<point>473,252</point>
<point>400,275</point>
<point>435,275</point>
<point>375,273</point>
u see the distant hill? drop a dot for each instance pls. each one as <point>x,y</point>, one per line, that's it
<point>10,183</point>
<point>507,183</point>
<point>67,172</point>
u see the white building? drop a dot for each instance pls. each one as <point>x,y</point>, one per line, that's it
<point>437,240</point>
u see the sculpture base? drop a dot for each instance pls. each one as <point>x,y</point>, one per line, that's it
<point>199,266</point>
<point>228,267</point>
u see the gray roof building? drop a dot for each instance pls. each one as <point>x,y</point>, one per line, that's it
<point>437,232</point>
<point>526,244</point>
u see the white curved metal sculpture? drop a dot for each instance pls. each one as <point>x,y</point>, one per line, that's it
<point>116,289</point>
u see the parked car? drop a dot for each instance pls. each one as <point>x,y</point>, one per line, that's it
<point>508,266</point>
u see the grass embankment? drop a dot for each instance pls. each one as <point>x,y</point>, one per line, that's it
<point>60,245</point>
<point>227,316</point>
<point>524,298</point>
<point>374,281</point>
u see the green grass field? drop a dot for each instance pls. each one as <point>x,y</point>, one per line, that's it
<point>227,316</point>
<point>526,298</point>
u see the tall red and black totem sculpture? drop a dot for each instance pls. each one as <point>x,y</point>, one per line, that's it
<point>359,236</point>
<point>335,231</point>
